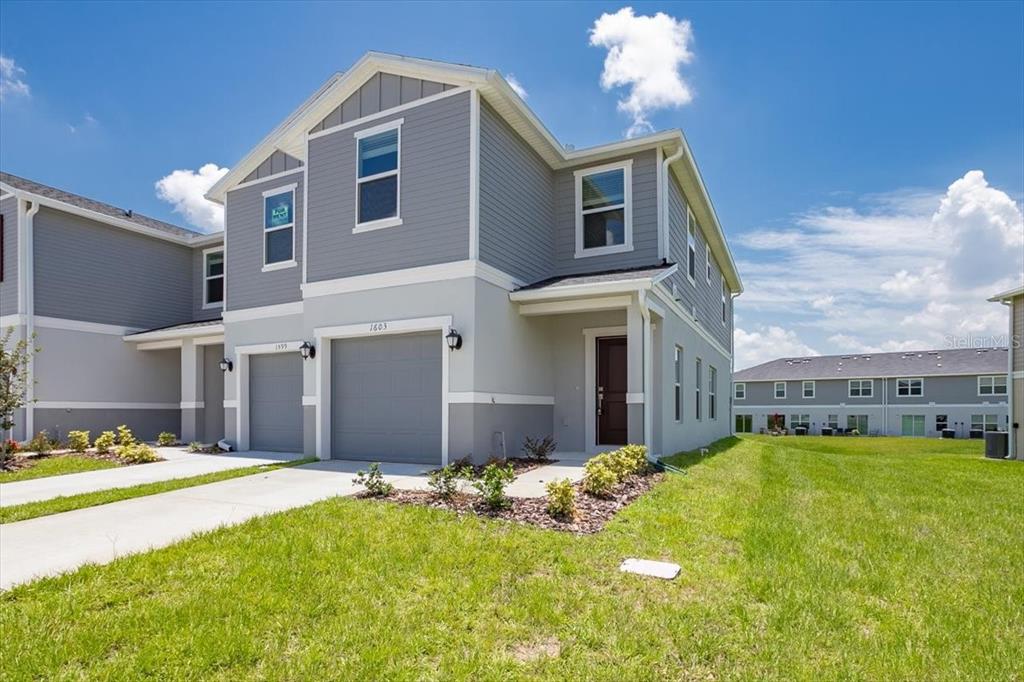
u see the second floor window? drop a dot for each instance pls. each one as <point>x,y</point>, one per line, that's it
<point>213,279</point>
<point>725,302</point>
<point>909,387</point>
<point>780,389</point>
<point>603,207</point>
<point>993,385</point>
<point>691,246</point>
<point>861,388</point>
<point>739,391</point>
<point>808,389</point>
<point>377,178</point>
<point>712,393</point>
<point>279,226</point>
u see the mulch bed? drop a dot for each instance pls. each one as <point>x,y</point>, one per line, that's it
<point>520,465</point>
<point>25,460</point>
<point>592,513</point>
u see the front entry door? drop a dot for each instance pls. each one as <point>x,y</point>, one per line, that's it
<point>611,391</point>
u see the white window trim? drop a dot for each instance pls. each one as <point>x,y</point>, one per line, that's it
<point>992,378</point>
<point>775,390</point>
<point>280,265</point>
<point>699,369</point>
<point>677,383</point>
<point>206,277</point>
<point>725,302</point>
<point>712,393</point>
<point>691,245</point>
<point>396,219</point>
<point>860,383</point>
<point>627,208</point>
<point>803,389</point>
<point>707,263</point>
<point>909,394</point>
<point>735,386</point>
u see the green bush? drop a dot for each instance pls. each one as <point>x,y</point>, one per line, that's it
<point>41,443</point>
<point>373,481</point>
<point>492,484</point>
<point>166,438</point>
<point>630,459</point>
<point>599,476</point>
<point>195,446</point>
<point>125,436</point>
<point>137,453</point>
<point>104,442</point>
<point>561,499</point>
<point>445,481</point>
<point>78,440</point>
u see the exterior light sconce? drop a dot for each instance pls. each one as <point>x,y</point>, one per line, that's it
<point>307,350</point>
<point>226,365</point>
<point>454,339</point>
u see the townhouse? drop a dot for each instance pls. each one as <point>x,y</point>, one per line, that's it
<point>1014,301</point>
<point>412,269</point>
<point>957,393</point>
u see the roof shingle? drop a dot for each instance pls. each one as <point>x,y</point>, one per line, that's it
<point>878,365</point>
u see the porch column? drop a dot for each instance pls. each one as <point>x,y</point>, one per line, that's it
<point>191,390</point>
<point>635,373</point>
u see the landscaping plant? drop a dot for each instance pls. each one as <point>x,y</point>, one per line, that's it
<point>539,448</point>
<point>492,483</point>
<point>600,476</point>
<point>125,435</point>
<point>78,441</point>
<point>137,453</point>
<point>41,443</point>
<point>104,442</point>
<point>561,499</point>
<point>166,439</point>
<point>445,481</point>
<point>195,446</point>
<point>373,481</point>
<point>14,383</point>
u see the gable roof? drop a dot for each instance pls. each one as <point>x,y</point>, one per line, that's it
<point>1007,295</point>
<point>119,217</point>
<point>291,134</point>
<point>880,365</point>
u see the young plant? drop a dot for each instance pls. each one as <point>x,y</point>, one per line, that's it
<point>539,448</point>
<point>373,481</point>
<point>14,381</point>
<point>78,441</point>
<point>445,481</point>
<point>195,446</point>
<point>600,476</point>
<point>166,439</point>
<point>104,442</point>
<point>492,483</point>
<point>137,453</point>
<point>41,443</point>
<point>561,499</point>
<point>125,435</point>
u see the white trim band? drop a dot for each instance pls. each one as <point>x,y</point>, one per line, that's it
<point>482,398</point>
<point>87,405</point>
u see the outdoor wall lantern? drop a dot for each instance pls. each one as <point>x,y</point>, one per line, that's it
<point>226,365</point>
<point>307,350</point>
<point>454,339</point>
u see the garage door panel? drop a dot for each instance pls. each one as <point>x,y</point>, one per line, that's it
<point>386,398</point>
<point>275,402</point>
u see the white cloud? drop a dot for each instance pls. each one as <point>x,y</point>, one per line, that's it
<point>903,270</point>
<point>767,343</point>
<point>88,121</point>
<point>185,189</point>
<point>514,83</point>
<point>644,54</point>
<point>11,83</point>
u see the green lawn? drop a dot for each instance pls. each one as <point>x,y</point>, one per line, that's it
<point>56,465</point>
<point>56,505</point>
<point>802,558</point>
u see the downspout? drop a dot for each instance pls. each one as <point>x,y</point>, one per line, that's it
<point>646,349</point>
<point>1011,436</point>
<point>30,321</point>
<point>663,223</point>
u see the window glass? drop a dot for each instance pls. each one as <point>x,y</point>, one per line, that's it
<point>214,264</point>
<point>214,277</point>
<point>378,199</point>
<point>279,246</point>
<point>604,228</point>
<point>808,389</point>
<point>740,391</point>
<point>601,190</point>
<point>378,153</point>
<point>780,389</point>
<point>603,204</point>
<point>279,210</point>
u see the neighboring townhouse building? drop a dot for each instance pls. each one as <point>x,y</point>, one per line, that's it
<point>1014,300</point>
<point>913,393</point>
<point>78,275</point>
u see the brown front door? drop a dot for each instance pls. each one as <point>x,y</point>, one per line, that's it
<point>611,391</point>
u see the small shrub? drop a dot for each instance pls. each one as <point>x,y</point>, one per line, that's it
<point>125,436</point>
<point>373,481</point>
<point>195,446</point>
<point>78,440</point>
<point>137,453</point>
<point>11,446</point>
<point>445,481</point>
<point>41,443</point>
<point>539,448</point>
<point>600,477</point>
<point>629,460</point>
<point>492,484</point>
<point>166,438</point>
<point>104,442</point>
<point>561,499</point>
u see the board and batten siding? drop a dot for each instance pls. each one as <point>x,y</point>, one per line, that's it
<point>517,202</point>
<point>434,197</point>
<point>380,92</point>
<point>198,284</point>
<point>86,270</point>
<point>706,298</point>
<point>277,162</point>
<point>247,285</point>
<point>645,219</point>
<point>9,285</point>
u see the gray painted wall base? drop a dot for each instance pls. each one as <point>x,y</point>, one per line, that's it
<point>145,424</point>
<point>472,429</point>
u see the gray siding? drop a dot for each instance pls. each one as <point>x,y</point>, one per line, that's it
<point>85,270</point>
<point>278,162</point>
<point>198,284</point>
<point>247,285</point>
<point>213,394</point>
<point>380,92</point>
<point>1017,342</point>
<point>517,202</point>
<point>434,198</point>
<point>948,390</point>
<point>707,298</point>
<point>9,285</point>
<point>645,220</point>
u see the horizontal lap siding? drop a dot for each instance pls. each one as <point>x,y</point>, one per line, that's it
<point>1017,342</point>
<point>85,270</point>
<point>516,202</point>
<point>247,285</point>
<point>434,201</point>
<point>9,286</point>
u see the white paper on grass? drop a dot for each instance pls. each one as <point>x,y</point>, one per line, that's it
<point>653,569</point>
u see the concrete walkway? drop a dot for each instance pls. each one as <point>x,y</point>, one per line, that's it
<point>50,545</point>
<point>178,464</point>
<point>531,483</point>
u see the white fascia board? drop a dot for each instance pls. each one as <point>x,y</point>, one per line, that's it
<point>1007,295</point>
<point>176,334</point>
<point>576,305</point>
<point>582,290</point>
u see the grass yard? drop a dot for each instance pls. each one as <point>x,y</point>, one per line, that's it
<point>56,465</point>
<point>802,558</point>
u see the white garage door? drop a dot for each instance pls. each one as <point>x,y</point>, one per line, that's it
<point>386,398</point>
<point>275,402</point>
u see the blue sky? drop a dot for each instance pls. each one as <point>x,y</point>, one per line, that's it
<point>829,135</point>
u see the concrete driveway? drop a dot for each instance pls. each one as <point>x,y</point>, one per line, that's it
<point>50,545</point>
<point>178,464</point>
